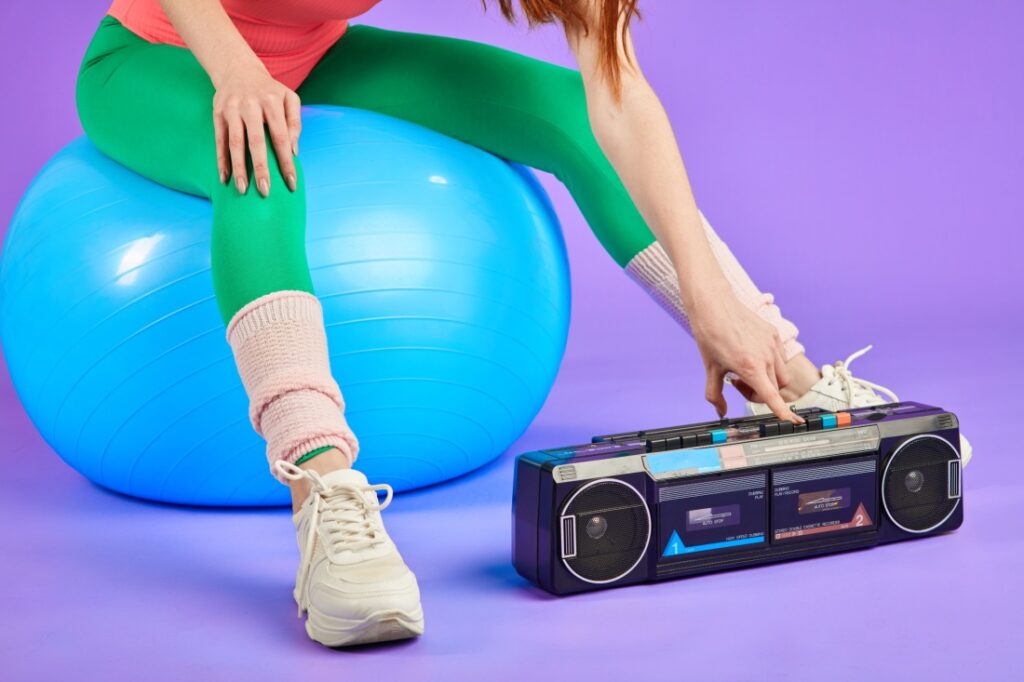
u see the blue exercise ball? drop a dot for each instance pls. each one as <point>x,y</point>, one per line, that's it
<point>444,282</point>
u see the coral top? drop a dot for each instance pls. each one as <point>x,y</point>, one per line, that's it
<point>289,36</point>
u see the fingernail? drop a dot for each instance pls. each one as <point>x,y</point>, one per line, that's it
<point>223,177</point>
<point>264,186</point>
<point>291,181</point>
<point>295,148</point>
<point>241,184</point>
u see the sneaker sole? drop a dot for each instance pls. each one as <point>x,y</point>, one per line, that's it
<point>383,626</point>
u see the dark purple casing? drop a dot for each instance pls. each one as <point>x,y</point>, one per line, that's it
<point>538,499</point>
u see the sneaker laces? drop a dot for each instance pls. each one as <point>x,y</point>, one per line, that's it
<point>850,384</point>
<point>342,513</point>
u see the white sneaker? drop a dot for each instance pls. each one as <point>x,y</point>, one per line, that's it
<point>352,581</point>
<point>839,390</point>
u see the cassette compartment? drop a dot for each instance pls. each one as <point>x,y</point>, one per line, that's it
<point>822,500</point>
<point>711,515</point>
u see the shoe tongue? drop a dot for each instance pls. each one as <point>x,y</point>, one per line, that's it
<point>349,476</point>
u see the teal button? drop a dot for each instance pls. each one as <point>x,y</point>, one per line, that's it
<point>828,421</point>
<point>718,436</point>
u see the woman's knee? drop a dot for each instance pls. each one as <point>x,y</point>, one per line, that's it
<point>281,201</point>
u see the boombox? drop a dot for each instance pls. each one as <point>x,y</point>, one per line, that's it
<point>678,501</point>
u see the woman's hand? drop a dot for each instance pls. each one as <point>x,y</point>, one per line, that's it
<point>246,98</point>
<point>733,338</point>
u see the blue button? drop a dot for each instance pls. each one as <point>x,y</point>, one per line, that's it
<point>718,436</point>
<point>828,421</point>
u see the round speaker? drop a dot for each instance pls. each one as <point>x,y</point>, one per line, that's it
<point>606,527</point>
<point>921,483</point>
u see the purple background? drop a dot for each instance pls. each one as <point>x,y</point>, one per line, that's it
<point>864,160</point>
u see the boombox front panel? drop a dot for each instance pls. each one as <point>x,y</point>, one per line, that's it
<point>612,512</point>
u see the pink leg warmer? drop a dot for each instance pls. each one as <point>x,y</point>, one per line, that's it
<point>280,347</point>
<point>653,270</point>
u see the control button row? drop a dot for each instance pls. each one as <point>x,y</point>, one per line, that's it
<point>689,440</point>
<point>816,422</point>
<point>811,423</point>
<point>674,443</point>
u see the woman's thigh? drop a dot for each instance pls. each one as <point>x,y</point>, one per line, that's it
<point>150,107</point>
<point>523,109</point>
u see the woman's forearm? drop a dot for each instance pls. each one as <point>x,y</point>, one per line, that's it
<point>634,132</point>
<point>637,138</point>
<point>209,33</point>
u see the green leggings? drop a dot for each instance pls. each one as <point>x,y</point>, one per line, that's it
<point>149,107</point>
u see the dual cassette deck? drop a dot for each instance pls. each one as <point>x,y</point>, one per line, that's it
<point>682,500</point>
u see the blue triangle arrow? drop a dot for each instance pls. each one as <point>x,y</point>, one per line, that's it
<point>675,545</point>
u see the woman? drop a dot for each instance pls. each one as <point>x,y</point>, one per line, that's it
<point>204,95</point>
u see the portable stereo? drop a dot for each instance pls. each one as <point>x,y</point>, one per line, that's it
<point>671,502</point>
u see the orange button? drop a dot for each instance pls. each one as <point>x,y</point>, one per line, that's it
<point>843,419</point>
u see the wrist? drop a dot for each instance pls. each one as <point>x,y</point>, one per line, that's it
<point>704,294</point>
<point>233,66</point>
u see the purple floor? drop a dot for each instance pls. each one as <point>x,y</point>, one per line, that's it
<point>102,586</point>
<point>865,163</point>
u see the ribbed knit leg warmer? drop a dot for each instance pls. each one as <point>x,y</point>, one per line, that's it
<point>280,347</point>
<point>653,270</point>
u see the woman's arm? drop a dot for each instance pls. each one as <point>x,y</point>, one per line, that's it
<point>247,96</point>
<point>634,132</point>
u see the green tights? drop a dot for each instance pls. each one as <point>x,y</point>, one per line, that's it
<point>149,107</point>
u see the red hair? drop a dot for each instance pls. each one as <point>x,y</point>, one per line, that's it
<point>572,15</point>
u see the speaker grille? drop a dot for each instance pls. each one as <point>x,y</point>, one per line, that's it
<point>921,485</point>
<point>612,527</point>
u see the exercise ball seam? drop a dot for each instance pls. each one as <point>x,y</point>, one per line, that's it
<point>433,260</point>
<point>496,301</point>
<point>99,324</point>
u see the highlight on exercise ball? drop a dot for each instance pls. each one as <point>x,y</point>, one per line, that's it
<point>441,270</point>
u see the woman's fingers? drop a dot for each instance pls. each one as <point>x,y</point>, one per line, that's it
<point>236,147</point>
<point>713,391</point>
<point>282,141</point>
<point>220,135</point>
<point>745,390</point>
<point>250,113</point>
<point>771,373</point>
<point>781,366</point>
<point>761,383</point>
<point>292,114</point>
<point>253,117</point>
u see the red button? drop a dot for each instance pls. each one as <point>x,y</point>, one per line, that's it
<point>843,419</point>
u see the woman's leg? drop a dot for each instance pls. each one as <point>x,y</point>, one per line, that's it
<point>525,110</point>
<point>149,106</point>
